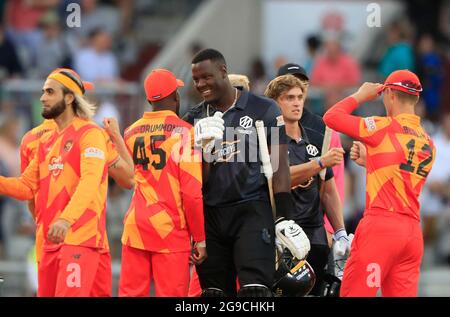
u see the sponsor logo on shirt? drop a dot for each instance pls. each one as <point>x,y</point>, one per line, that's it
<point>94,152</point>
<point>280,121</point>
<point>55,166</point>
<point>227,152</point>
<point>370,124</point>
<point>312,150</point>
<point>246,122</point>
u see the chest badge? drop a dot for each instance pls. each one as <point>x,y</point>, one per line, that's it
<point>312,150</point>
<point>246,122</point>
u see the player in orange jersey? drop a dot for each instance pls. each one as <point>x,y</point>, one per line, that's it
<point>387,249</point>
<point>166,210</point>
<point>120,168</point>
<point>69,163</point>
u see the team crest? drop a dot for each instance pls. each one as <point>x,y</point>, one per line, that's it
<point>312,150</point>
<point>246,122</point>
<point>68,146</point>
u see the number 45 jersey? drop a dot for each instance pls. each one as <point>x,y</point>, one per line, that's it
<point>167,205</point>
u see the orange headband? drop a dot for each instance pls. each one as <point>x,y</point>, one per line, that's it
<point>66,82</point>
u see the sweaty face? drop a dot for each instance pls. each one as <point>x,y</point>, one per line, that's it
<point>209,80</point>
<point>291,103</point>
<point>52,99</point>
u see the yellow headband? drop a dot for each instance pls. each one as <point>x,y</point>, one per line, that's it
<point>66,82</point>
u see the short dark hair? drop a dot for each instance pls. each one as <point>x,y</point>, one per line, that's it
<point>209,54</point>
<point>405,97</point>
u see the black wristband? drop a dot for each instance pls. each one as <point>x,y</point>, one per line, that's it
<point>284,205</point>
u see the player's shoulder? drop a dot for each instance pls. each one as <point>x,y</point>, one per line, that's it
<point>195,112</point>
<point>262,107</point>
<point>374,124</point>
<point>178,122</point>
<point>263,102</point>
<point>88,129</point>
<point>312,121</point>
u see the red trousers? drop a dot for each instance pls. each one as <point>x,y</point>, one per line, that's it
<point>169,272</point>
<point>73,271</point>
<point>386,253</point>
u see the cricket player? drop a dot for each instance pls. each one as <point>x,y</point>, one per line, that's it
<point>120,168</point>
<point>166,210</point>
<point>305,164</point>
<point>387,249</point>
<point>69,163</point>
<point>240,229</point>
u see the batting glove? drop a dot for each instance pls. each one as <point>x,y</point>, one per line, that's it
<point>208,130</point>
<point>342,243</point>
<point>341,251</point>
<point>291,236</point>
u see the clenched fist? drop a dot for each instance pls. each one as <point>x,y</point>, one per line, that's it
<point>333,157</point>
<point>358,153</point>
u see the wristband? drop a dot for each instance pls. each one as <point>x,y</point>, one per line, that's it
<point>317,159</point>
<point>339,234</point>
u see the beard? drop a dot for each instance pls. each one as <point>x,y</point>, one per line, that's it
<point>54,111</point>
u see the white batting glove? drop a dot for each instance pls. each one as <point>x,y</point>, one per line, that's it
<point>291,236</point>
<point>208,130</point>
<point>341,250</point>
<point>342,243</point>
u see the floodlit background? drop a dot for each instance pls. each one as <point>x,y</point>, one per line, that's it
<point>115,43</point>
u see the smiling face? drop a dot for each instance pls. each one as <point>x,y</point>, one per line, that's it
<point>210,80</point>
<point>291,103</point>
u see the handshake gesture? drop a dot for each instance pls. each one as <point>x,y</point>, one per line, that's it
<point>208,130</point>
<point>291,236</point>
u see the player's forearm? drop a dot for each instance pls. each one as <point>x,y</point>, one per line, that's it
<point>281,176</point>
<point>193,208</point>
<point>332,204</point>
<point>302,172</point>
<point>16,188</point>
<point>339,117</point>
<point>124,154</point>
<point>90,180</point>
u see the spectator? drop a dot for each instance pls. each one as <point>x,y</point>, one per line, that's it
<point>313,44</point>
<point>431,72</point>
<point>94,17</point>
<point>334,71</point>
<point>22,17</point>
<point>97,62</point>
<point>258,77</point>
<point>54,50</point>
<point>399,54</point>
<point>9,61</point>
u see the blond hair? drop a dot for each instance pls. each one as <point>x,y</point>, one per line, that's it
<point>284,83</point>
<point>82,107</point>
<point>239,80</point>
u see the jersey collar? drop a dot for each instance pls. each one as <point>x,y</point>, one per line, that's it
<point>155,114</point>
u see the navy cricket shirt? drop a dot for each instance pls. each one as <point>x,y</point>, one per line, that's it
<point>308,210</point>
<point>235,174</point>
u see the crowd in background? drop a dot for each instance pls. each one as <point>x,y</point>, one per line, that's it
<point>34,40</point>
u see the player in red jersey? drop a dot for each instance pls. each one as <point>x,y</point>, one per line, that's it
<point>69,162</point>
<point>387,249</point>
<point>166,210</point>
